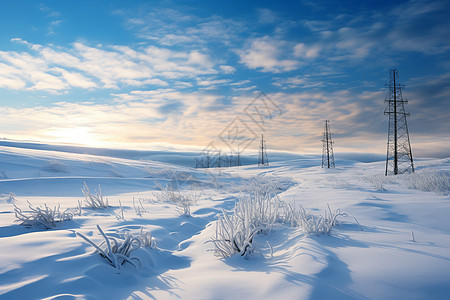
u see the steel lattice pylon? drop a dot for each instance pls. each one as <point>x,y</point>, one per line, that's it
<point>327,150</point>
<point>263,159</point>
<point>399,157</point>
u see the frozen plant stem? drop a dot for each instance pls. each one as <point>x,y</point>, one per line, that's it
<point>120,216</point>
<point>44,216</point>
<point>94,201</point>
<point>116,253</point>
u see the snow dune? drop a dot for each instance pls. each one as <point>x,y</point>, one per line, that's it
<point>394,244</point>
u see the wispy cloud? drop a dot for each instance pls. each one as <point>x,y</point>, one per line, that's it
<point>296,81</point>
<point>171,27</point>
<point>267,54</point>
<point>54,16</point>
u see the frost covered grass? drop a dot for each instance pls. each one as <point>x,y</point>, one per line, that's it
<point>42,216</point>
<point>172,194</point>
<point>183,207</point>
<point>119,216</point>
<point>147,239</point>
<point>139,207</point>
<point>342,183</point>
<point>94,201</point>
<point>261,209</point>
<point>183,199</point>
<point>254,212</point>
<point>435,181</point>
<point>8,198</point>
<point>115,252</point>
<point>297,216</point>
<point>257,183</point>
<point>234,235</point>
<point>378,181</point>
<point>258,212</point>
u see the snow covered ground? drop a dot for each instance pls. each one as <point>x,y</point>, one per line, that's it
<point>393,244</point>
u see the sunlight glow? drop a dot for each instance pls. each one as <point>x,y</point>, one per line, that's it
<point>75,135</point>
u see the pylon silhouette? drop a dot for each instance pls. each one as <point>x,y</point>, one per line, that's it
<point>263,159</point>
<point>399,157</point>
<point>327,150</point>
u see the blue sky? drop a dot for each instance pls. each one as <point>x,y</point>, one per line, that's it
<point>135,73</point>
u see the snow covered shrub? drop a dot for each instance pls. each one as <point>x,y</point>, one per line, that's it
<point>8,198</point>
<point>44,216</point>
<point>116,252</point>
<point>146,238</point>
<point>233,235</point>
<point>184,207</point>
<point>261,209</point>
<point>254,213</point>
<point>94,201</point>
<point>311,224</point>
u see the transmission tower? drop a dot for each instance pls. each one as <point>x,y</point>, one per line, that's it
<point>399,157</point>
<point>327,150</point>
<point>239,158</point>
<point>263,159</point>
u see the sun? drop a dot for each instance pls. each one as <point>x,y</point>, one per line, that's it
<point>74,135</point>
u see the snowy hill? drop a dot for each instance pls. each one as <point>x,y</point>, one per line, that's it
<point>392,243</point>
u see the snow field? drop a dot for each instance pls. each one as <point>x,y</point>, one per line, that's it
<point>397,248</point>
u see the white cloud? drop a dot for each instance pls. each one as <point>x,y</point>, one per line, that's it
<point>245,89</point>
<point>212,82</point>
<point>9,78</point>
<point>53,68</point>
<point>75,79</point>
<point>266,16</point>
<point>227,69</point>
<point>22,67</point>
<point>173,39</point>
<point>301,50</point>
<point>197,58</point>
<point>293,82</point>
<point>11,82</point>
<point>242,82</point>
<point>265,53</point>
